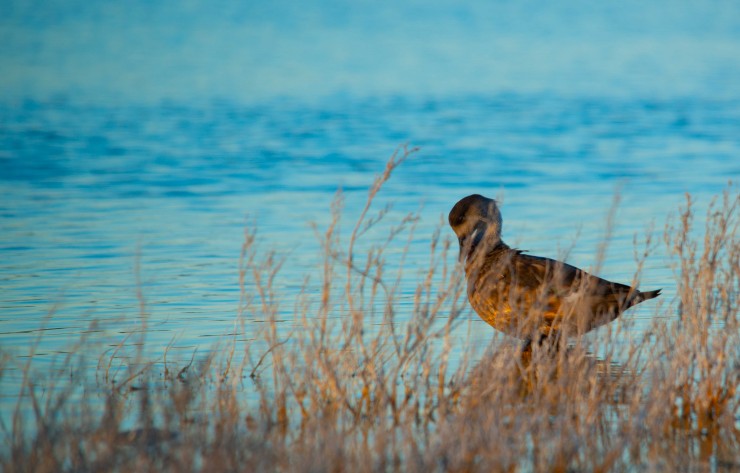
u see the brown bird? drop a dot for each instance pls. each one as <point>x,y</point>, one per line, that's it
<point>527,296</point>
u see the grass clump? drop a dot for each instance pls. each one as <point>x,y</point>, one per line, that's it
<point>360,376</point>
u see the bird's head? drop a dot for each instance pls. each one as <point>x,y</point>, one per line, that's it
<point>475,219</point>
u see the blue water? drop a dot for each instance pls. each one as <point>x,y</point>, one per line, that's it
<point>138,142</point>
<point>249,51</point>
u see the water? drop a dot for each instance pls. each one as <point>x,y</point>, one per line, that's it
<point>137,161</point>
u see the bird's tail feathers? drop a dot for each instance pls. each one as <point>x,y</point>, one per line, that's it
<point>643,296</point>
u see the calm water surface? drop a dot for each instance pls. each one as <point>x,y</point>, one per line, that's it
<point>99,201</point>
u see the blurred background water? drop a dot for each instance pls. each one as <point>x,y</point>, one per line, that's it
<point>138,135</point>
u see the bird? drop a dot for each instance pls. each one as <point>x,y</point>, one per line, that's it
<point>530,297</point>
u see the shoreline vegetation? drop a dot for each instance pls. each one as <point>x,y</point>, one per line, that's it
<point>362,377</point>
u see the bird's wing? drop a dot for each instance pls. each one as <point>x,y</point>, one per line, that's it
<point>536,271</point>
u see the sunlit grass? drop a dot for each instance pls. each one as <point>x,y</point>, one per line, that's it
<point>358,377</point>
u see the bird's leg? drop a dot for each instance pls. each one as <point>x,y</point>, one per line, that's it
<point>551,345</point>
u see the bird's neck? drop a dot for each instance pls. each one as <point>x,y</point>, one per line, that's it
<point>480,249</point>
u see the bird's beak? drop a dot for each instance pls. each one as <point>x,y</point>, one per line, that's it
<point>468,242</point>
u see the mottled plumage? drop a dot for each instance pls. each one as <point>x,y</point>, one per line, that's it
<point>527,296</point>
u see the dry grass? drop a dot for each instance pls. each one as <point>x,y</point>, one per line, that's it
<point>362,379</point>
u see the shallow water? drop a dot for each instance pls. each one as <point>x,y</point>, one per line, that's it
<point>102,198</point>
